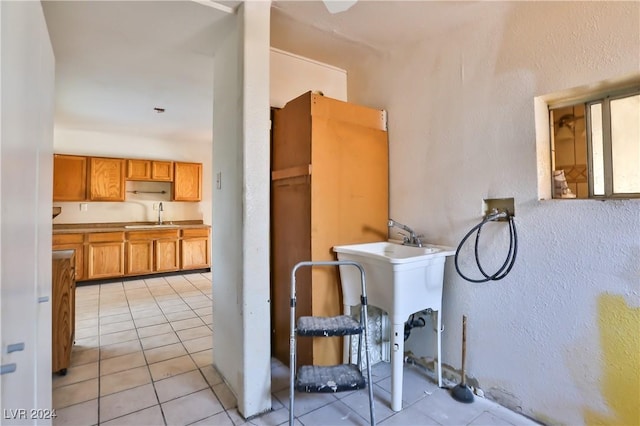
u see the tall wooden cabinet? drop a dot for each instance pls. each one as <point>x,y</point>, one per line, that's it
<point>69,178</point>
<point>329,187</point>
<point>63,308</point>
<point>106,179</point>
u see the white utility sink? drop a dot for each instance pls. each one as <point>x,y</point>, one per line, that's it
<point>150,226</point>
<point>401,280</point>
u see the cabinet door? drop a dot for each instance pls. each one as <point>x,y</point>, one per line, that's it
<point>167,258</point>
<point>162,171</point>
<point>105,255</point>
<point>195,253</point>
<point>69,178</point>
<point>106,177</point>
<point>139,257</point>
<point>73,242</point>
<point>63,309</point>
<point>187,182</point>
<point>138,169</point>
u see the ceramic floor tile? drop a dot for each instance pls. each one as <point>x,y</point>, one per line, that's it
<point>272,418</point>
<point>191,408</point>
<point>409,416</point>
<point>85,413</point>
<point>489,419</point>
<point>114,310</point>
<point>225,396</point>
<point>119,337</point>
<point>119,349</point>
<point>164,352</point>
<point>154,330</point>
<point>126,402</point>
<point>87,343</point>
<point>358,401</point>
<point>75,393</point>
<point>159,340</point>
<point>211,375</point>
<point>204,358</point>
<point>220,419</point>
<point>87,323</point>
<point>120,363</point>
<point>151,416</point>
<point>175,308</point>
<point>207,319</point>
<point>152,312</point>
<point>186,323</point>
<point>441,407</point>
<point>336,413</point>
<point>87,332</point>
<point>193,333</point>
<point>198,345</point>
<point>76,374</point>
<point>148,321</point>
<point>123,380</point>
<point>116,327</point>
<point>84,356</point>
<point>305,403</point>
<point>115,318</point>
<point>171,367</point>
<point>180,385</point>
<point>176,316</point>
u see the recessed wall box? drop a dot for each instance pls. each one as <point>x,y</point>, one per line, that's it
<point>498,205</point>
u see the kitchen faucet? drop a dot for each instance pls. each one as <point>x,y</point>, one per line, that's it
<point>409,240</point>
<point>160,209</point>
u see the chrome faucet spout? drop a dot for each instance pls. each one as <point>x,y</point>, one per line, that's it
<point>160,210</point>
<point>412,239</point>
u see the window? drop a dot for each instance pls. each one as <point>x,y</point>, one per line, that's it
<point>595,146</point>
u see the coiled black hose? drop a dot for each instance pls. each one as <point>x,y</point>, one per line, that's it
<point>511,255</point>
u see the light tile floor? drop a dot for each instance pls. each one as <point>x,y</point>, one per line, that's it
<point>143,357</point>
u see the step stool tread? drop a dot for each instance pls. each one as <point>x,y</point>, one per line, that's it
<point>342,325</point>
<point>329,379</point>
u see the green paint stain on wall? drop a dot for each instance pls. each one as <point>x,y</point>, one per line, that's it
<point>620,343</point>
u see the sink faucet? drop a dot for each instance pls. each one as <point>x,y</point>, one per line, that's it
<point>160,209</point>
<point>409,240</point>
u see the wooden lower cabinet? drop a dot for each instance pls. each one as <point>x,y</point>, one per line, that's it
<point>63,295</point>
<point>167,255</point>
<point>139,257</point>
<point>73,242</point>
<point>152,251</point>
<point>195,249</point>
<point>105,255</point>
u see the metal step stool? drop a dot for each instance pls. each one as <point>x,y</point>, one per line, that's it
<point>334,378</point>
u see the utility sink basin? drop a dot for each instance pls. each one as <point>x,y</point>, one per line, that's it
<point>150,226</point>
<point>400,280</point>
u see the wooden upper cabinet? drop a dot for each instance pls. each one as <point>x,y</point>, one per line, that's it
<point>106,179</point>
<point>162,171</point>
<point>69,178</point>
<point>187,182</point>
<point>138,170</point>
<point>149,170</point>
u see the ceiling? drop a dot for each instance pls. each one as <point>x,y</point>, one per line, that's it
<point>118,60</point>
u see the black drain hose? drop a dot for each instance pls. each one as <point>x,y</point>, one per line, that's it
<point>511,255</point>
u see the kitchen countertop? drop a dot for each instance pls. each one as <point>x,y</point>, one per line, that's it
<point>83,228</point>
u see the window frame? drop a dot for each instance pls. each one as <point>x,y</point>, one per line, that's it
<point>604,98</point>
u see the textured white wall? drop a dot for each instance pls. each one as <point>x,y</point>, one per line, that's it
<point>461,126</point>
<point>293,75</point>
<point>136,208</point>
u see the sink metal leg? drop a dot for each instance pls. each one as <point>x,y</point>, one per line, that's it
<point>397,360</point>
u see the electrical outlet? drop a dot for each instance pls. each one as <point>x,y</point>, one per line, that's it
<point>219,180</point>
<point>84,207</point>
<point>499,205</point>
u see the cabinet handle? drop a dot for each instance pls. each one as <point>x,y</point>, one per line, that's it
<point>15,347</point>
<point>7,368</point>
